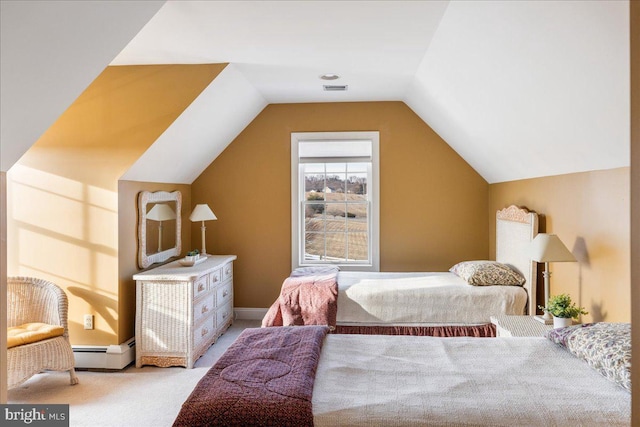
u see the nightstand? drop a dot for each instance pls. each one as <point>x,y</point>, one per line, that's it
<point>519,326</point>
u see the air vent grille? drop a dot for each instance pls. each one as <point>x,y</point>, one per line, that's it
<point>335,88</point>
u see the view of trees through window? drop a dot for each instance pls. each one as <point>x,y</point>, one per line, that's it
<point>336,212</point>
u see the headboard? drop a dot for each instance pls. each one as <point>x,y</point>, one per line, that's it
<point>515,228</point>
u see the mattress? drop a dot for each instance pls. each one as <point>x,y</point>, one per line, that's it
<point>406,380</point>
<point>379,298</point>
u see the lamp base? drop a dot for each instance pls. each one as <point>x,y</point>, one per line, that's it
<point>543,320</point>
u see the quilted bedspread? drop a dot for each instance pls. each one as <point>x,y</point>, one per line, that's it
<point>309,296</point>
<point>265,377</point>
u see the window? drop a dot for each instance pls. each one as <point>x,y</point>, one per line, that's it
<point>334,199</point>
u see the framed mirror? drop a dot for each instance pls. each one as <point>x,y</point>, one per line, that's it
<point>159,226</point>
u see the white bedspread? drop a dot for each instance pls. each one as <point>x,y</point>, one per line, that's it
<point>415,298</point>
<point>406,380</point>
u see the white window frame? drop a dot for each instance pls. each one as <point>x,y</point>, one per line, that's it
<point>297,226</point>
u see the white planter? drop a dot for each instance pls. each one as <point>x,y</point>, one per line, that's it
<point>561,322</point>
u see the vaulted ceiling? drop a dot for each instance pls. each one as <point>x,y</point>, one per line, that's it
<point>519,89</point>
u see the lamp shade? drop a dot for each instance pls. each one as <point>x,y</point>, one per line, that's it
<point>161,212</point>
<point>202,212</point>
<point>549,248</point>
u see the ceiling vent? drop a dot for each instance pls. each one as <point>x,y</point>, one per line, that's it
<point>335,88</point>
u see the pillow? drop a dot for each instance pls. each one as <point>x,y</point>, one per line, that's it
<point>606,347</point>
<point>487,273</point>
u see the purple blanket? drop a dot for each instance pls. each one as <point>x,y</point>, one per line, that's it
<point>264,378</point>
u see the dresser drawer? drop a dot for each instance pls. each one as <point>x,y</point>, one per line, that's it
<point>203,331</point>
<point>200,286</point>
<point>204,307</point>
<point>227,271</point>
<point>215,278</point>
<point>224,294</point>
<point>224,314</point>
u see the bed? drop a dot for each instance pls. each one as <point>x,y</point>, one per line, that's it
<point>420,303</point>
<point>297,376</point>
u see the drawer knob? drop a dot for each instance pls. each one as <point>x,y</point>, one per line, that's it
<point>204,332</point>
<point>225,293</point>
<point>227,272</point>
<point>204,309</point>
<point>200,287</point>
<point>224,315</point>
<point>215,279</point>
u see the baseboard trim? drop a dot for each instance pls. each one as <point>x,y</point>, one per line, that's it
<point>242,313</point>
<point>111,357</point>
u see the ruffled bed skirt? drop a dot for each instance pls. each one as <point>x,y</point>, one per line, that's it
<point>480,331</point>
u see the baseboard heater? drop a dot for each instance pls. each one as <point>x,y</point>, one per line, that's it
<point>110,357</point>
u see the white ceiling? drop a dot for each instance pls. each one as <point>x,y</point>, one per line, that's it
<point>526,89</point>
<point>283,47</point>
<point>519,89</point>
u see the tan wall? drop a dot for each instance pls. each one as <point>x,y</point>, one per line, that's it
<point>635,206</point>
<point>63,207</point>
<point>128,244</point>
<point>433,204</point>
<point>590,213</point>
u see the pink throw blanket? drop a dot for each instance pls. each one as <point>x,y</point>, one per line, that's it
<point>309,296</point>
<point>264,378</point>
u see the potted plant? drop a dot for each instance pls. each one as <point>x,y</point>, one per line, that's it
<point>192,256</point>
<point>563,310</point>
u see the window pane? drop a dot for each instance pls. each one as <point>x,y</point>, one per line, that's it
<point>313,182</point>
<point>336,246</point>
<point>358,247</point>
<point>314,177</point>
<point>313,246</point>
<point>314,195</point>
<point>314,168</point>
<point>357,186</point>
<point>337,212</point>
<point>334,196</point>
<point>357,167</point>
<point>313,211</point>
<point>335,186</point>
<point>333,168</point>
<point>357,217</point>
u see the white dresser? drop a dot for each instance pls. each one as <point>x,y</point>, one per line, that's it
<point>181,311</point>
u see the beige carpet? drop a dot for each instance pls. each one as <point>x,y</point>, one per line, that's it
<point>145,397</point>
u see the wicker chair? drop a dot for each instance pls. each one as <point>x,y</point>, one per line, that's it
<point>36,300</point>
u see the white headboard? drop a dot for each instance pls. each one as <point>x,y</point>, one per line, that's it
<point>515,228</point>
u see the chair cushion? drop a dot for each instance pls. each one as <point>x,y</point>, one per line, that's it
<point>32,332</point>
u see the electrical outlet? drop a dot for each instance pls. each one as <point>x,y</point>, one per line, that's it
<point>88,321</point>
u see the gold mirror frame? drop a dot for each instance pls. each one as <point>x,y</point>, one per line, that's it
<point>144,198</point>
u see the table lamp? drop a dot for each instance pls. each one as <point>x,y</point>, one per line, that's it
<point>548,248</point>
<point>202,212</point>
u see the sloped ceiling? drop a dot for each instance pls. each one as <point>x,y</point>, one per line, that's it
<point>49,53</point>
<point>527,89</point>
<point>519,89</point>
<point>202,132</point>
